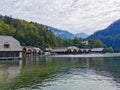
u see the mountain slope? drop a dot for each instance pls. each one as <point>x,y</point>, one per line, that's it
<point>28,33</point>
<point>110,36</point>
<point>61,33</point>
<point>65,34</point>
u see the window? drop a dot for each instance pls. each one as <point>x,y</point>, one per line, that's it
<point>6,45</point>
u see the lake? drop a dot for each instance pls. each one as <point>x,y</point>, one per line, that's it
<point>60,73</point>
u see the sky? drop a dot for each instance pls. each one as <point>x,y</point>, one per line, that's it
<point>75,16</point>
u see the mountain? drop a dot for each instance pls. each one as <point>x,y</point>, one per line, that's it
<point>110,36</point>
<point>61,33</point>
<point>82,35</point>
<point>65,34</point>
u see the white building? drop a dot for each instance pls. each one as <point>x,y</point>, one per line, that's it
<point>85,42</point>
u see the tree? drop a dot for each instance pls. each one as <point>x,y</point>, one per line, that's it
<point>77,41</point>
<point>110,49</point>
<point>98,44</point>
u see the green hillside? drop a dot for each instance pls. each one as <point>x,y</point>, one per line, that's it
<point>28,33</point>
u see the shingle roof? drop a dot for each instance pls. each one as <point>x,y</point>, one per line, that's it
<point>48,49</point>
<point>73,47</point>
<point>32,48</point>
<point>28,47</point>
<point>97,49</point>
<point>59,50</point>
<point>14,45</point>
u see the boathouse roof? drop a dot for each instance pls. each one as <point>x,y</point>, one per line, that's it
<point>8,43</point>
<point>59,49</point>
<point>97,49</point>
<point>73,47</point>
<point>28,47</point>
<point>32,48</point>
<point>48,49</point>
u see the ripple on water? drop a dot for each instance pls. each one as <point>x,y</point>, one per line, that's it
<point>76,79</point>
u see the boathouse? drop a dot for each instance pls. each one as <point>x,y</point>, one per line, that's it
<point>47,51</point>
<point>73,50</point>
<point>27,49</point>
<point>66,50</point>
<point>59,51</point>
<point>31,50</point>
<point>37,51</point>
<point>98,50</point>
<point>10,48</point>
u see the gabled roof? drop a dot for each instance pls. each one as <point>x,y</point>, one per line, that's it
<point>14,45</point>
<point>59,49</point>
<point>48,49</point>
<point>31,48</point>
<point>73,47</point>
<point>28,47</point>
<point>35,48</point>
<point>97,49</point>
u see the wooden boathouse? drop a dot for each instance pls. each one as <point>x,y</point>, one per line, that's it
<point>31,50</point>
<point>10,48</point>
<point>59,51</point>
<point>75,50</point>
<point>98,50</point>
<point>70,50</point>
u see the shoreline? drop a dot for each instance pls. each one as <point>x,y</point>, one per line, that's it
<point>90,55</point>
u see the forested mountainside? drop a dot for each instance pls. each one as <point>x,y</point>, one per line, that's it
<point>110,36</point>
<point>66,34</point>
<point>61,33</point>
<point>28,33</point>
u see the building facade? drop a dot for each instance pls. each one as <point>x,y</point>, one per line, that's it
<point>31,50</point>
<point>10,48</point>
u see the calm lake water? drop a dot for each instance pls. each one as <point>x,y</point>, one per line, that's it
<point>53,73</point>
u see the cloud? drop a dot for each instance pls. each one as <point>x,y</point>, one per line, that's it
<point>72,15</point>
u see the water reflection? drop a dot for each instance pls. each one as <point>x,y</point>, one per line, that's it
<point>83,73</point>
<point>102,65</point>
<point>9,69</point>
<point>104,71</point>
<point>52,73</point>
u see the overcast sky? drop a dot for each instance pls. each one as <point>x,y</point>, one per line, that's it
<point>73,15</point>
